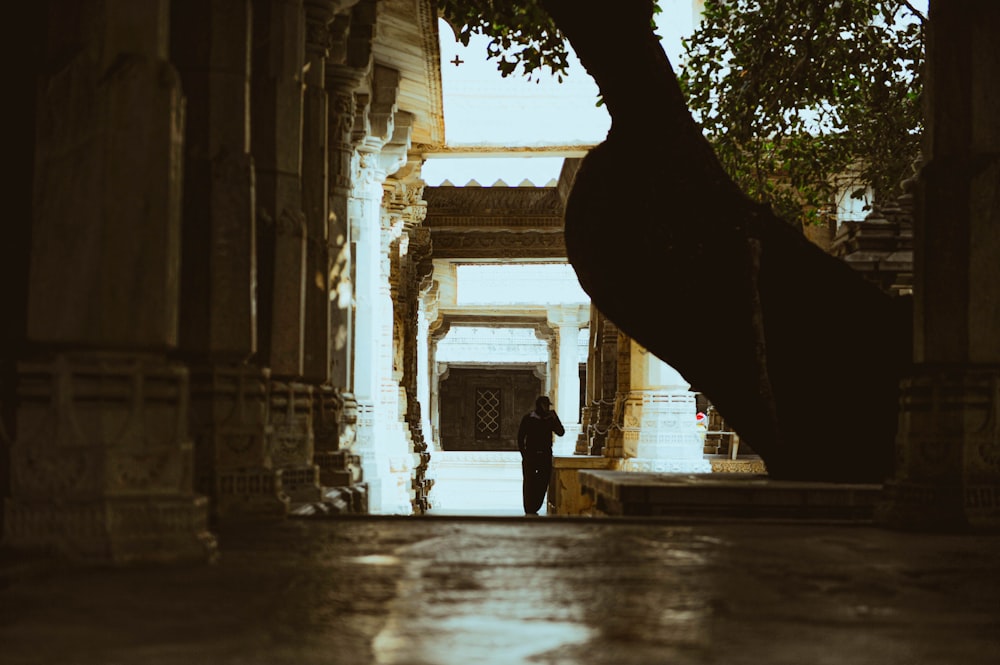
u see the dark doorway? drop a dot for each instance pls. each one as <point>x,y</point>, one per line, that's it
<point>482,408</point>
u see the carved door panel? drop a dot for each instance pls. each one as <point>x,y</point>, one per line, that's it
<point>482,408</point>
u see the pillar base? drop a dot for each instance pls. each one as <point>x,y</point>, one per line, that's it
<point>121,530</point>
<point>911,506</point>
<point>292,443</point>
<point>229,423</point>
<point>301,483</point>
<point>340,468</point>
<point>101,467</point>
<point>948,451</point>
<point>250,494</point>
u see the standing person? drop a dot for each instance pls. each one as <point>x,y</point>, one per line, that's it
<point>534,440</point>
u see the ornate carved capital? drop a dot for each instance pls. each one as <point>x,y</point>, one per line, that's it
<point>319,14</point>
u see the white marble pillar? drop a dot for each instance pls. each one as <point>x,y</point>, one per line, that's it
<point>660,432</point>
<point>383,439</point>
<point>444,292</point>
<point>567,320</point>
<point>424,378</point>
<point>426,313</point>
<point>373,333</point>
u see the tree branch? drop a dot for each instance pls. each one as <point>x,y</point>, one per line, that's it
<point>923,19</point>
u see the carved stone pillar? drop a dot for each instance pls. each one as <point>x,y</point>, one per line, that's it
<point>419,268</point>
<point>426,308</point>
<point>276,94</point>
<point>341,268</point>
<point>277,89</point>
<point>427,313</point>
<point>615,443</point>
<point>547,371</point>
<point>383,441</point>
<point>339,465</point>
<point>588,411</point>
<point>602,378</point>
<point>101,463</point>
<point>228,411</point>
<point>410,264</point>
<point>567,320</point>
<point>660,429</point>
<point>349,60</point>
<point>369,311</point>
<point>315,118</point>
<point>607,384</point>
<point>948,443</point>
<point>437,331</point>
<point>229,419</point>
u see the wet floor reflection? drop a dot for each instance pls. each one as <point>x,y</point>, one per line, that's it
<point>484,639</point>
<point>472,599</point>
<point>518,591</point>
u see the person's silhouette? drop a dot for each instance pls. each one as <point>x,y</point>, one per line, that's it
<point>534,440</point>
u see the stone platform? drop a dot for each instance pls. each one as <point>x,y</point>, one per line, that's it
<point>616,493</point>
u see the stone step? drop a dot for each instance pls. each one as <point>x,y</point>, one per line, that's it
<point>743,495</point>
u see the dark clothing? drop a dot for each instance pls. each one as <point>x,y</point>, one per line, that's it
<point>537,471</point>
<point>534,440</point>
<point>535,432</point>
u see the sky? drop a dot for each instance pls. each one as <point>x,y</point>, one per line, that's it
<point>481,108</point>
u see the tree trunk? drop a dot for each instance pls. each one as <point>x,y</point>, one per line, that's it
<point>798,352</point>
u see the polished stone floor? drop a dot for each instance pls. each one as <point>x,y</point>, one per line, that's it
<point>452,590</point>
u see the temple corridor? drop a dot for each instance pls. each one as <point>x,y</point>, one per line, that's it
<point>250,413</point>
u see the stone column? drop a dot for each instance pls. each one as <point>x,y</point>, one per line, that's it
<point>316,331</point>
<point>411,264</point>
<point>437,331</point>
<point>602,381</point>
<point>660,429</point>
<point>348,62</point>
<point>101,463</point>
<point>425,356</point>
<point>323,134</point>
<point>615,442</point>
<point>948,443</point>
<point>546,372</point>
<point>607,383</point>
<point>365,216</point>
<point>423,380</point>
<point>276,133</point>
<point>588,410</point>
<point>567,320</point>
<point>382,440</point>
<point>228,414</point>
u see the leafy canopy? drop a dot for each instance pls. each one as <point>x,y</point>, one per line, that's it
<point>522,34</point>
<point>795,95</point>
<point>798,96</point>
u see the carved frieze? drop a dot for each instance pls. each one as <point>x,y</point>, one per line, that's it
<point>482,244</point>
<point>454,205</point>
